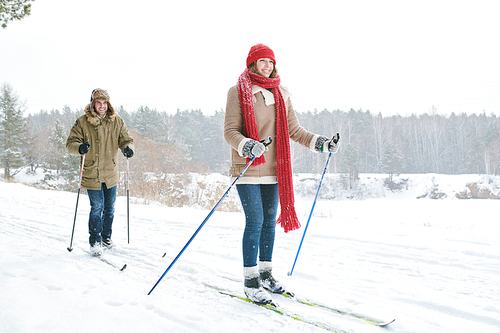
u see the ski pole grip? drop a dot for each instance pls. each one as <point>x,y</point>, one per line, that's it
<point>267,141</point>
<point>336,139</point>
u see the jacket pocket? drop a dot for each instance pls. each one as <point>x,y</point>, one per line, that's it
<point>90,170</point>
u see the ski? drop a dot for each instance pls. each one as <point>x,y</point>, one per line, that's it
<point>277,309</point>
<point>341,312</point>
<point>107,261</point>
<point>307,302</point>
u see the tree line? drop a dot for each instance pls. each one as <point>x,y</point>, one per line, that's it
<point>190,141</point>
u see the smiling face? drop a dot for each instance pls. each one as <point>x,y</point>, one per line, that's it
<point>265,66</point>
<point>101,107</point>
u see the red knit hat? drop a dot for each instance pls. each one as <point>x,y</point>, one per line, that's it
<point>260,51</point>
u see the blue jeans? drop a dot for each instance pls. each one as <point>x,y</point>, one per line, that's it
<point>102,211</point>
<point>260,204</point>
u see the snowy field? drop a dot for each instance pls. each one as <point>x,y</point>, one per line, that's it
<point>433,265</point>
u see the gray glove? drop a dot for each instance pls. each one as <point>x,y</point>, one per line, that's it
<point>324,144</point>
<point>333,144</point>
<point>253,148</point>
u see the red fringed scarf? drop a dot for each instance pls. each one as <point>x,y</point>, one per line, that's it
<point>288,217</point>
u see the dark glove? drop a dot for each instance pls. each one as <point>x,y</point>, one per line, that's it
<point>128,152</point>
<point>84,148</point>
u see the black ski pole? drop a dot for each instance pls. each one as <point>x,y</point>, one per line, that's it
<point>266,142</point>
<point>128,199</point>
<point>70,248</point>
<point>314,204</point>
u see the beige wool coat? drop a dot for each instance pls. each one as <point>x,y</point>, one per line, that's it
<point>106,136</point>
<point>265,116</point>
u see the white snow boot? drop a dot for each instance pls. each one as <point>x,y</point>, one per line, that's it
<point>269,282</point>
<point>96,249</point>
<point>253,288</point>
<point>255,292</point>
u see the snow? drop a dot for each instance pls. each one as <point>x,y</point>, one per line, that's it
<point>433,265</point>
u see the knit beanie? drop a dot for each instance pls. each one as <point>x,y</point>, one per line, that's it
<point>260,51</point>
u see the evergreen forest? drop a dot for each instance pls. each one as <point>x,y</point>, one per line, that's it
<point>190,141</point>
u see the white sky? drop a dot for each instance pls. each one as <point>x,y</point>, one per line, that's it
<point>394,57</point>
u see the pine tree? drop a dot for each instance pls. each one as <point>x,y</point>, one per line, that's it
<point>58,145</point>
<point>392,161</point>
<point>12,132</point>
<point>58,159</point>
<point>32,155</point>
<point>349,164</point>
<point>67,164</point>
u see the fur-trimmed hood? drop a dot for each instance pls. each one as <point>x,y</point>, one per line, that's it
<point>92,115</point>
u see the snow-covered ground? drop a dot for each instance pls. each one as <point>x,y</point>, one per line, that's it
<point>433,265</point>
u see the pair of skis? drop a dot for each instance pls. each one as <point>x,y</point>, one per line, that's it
<point>324,307</point>
<point>279,310</point>
<point>284,312</point>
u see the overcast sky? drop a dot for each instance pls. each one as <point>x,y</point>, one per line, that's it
<point>393,57</point>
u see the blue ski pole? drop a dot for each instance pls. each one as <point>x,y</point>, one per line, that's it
<point>266,142</point>
<point>312,209</point>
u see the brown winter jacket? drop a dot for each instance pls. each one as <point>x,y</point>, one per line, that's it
<point>265,116</point>
<point>105,136</point>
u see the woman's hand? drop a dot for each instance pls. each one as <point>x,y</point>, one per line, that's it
<point>253,149</point>
<point>333,144</point>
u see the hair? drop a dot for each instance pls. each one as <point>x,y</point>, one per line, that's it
<point>253,68</point>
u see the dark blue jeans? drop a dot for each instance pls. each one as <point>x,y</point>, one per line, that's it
<point>102,211</point>
<point>260,204</point>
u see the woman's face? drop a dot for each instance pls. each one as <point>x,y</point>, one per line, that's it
<point>265,66</point>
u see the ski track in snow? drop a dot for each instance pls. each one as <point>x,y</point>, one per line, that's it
<point>432,265</point>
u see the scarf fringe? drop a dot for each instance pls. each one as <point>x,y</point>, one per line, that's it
<point>288,220</point>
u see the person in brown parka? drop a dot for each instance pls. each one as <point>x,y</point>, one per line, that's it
<point>99,134</point>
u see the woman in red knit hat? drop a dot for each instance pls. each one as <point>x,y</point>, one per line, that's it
<point>259,107</point>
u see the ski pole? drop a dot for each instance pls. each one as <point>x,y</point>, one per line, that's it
<point>70,248</point>
<point>128,199</point>
<point>312,209</point>
<point>266,142</point>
